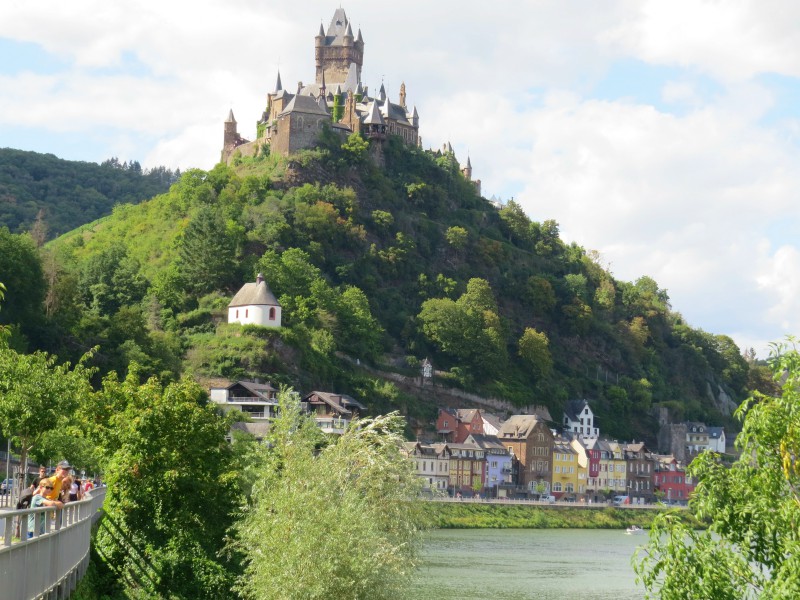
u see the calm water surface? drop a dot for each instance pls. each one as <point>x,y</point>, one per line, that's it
<point>517,564</point>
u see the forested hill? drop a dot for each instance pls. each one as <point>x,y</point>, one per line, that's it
<point>385,265</point>
<point>50,196</point>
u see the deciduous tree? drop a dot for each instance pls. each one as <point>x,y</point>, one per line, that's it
<point>751,548</point>
<point>340,521</point>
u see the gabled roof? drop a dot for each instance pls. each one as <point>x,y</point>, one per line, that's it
<point>341,403</point>
<point>303,104</point>
<point>256,293</point>
<point>574,408</point>
<point>716,432</point>
<point>492,420</point>
<point>487,442</point>
<point>518,427</point>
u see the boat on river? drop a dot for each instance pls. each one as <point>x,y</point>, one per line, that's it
<point>634,529</point>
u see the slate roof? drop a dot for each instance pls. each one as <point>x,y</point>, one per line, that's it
<point>303,104</point>
<point>487,442</point>
<point>716,432</point>
<point>341,403</point>
<point>574,408</point>
<point>254,293</point>
<point>518,427</point>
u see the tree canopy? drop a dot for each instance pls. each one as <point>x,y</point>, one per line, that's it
<point>751,548</point>
<point>331,522</point>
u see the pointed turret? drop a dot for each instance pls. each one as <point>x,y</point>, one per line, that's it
<point>359,39</point>
<point>415,118</point>
<point>374,116</point>
<point>382,93</point>
<point>321,30</point>
<point>278,85</point>
<point>230,118</point>
<point>348,35</point>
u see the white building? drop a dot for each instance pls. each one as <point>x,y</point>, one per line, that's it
<point>255,304</point>
<point>716,439</point>
<point>579,420</point>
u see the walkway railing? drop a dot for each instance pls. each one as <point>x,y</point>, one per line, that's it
<point>50,562</point>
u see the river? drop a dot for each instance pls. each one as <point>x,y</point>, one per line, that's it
<point>521,564</point>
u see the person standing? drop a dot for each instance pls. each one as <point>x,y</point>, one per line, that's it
<point>40,499</point>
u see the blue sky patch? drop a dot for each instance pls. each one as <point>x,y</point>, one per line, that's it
<point>19,57</point>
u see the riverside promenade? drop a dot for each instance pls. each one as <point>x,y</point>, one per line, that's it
<point>49,564</point>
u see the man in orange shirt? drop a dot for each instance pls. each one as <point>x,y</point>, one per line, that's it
<point>62,470</point>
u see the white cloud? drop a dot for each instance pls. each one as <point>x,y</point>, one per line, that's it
<point>690,198</point>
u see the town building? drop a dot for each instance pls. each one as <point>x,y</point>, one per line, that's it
<point>716,439</point>
<point>530,440</point>
<point>565,470</point>
<point>579,419</point>
<point>467,469</point>
<point>641,467</point>
<point>432,464</point>
<point>454,425</point>
<point>256,402</point>
<point>332,412</point>
<point>670,481</point>
<point>498,461</point>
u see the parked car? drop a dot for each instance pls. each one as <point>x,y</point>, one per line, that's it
<point>7,486</point>
<point>621,500</point>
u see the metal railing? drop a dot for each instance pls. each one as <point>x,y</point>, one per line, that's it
<point>49,563</point>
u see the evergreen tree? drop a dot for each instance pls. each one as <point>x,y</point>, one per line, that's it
<point>207,252</point>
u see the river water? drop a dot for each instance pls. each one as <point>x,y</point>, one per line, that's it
<point>521,564</point>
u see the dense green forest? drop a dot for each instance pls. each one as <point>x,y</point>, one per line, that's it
<point>49,196</point>
<point>374,267</point>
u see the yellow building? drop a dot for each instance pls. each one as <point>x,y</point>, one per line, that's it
<point>565,470</point>
<point>582,456</point>
<point>612,475</point>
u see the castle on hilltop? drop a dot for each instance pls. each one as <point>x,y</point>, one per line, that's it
<point>293,121</point>
<point>337,99</point>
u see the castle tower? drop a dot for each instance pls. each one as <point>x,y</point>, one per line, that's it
<point>231,134</point>
<point>467,170</point>
<point>335,50</point>
<point>403,94</point>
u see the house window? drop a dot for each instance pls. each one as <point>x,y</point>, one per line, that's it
<point>556,486</point>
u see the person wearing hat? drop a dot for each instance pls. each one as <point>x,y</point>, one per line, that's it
<point>62,470</point>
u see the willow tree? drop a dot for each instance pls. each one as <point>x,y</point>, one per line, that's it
<point>751,548</point>
<point>330,518</point>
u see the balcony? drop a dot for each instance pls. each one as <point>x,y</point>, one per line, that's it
<point>332,424</point>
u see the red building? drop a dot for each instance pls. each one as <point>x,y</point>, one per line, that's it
<point>670,479</point>
<point>456,425</point>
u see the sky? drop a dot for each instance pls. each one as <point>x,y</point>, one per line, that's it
<point>663,135</point>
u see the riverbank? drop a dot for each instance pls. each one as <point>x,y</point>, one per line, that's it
<point>449,515</point>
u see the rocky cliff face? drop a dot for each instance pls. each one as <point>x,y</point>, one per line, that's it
<point>719,397</point>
